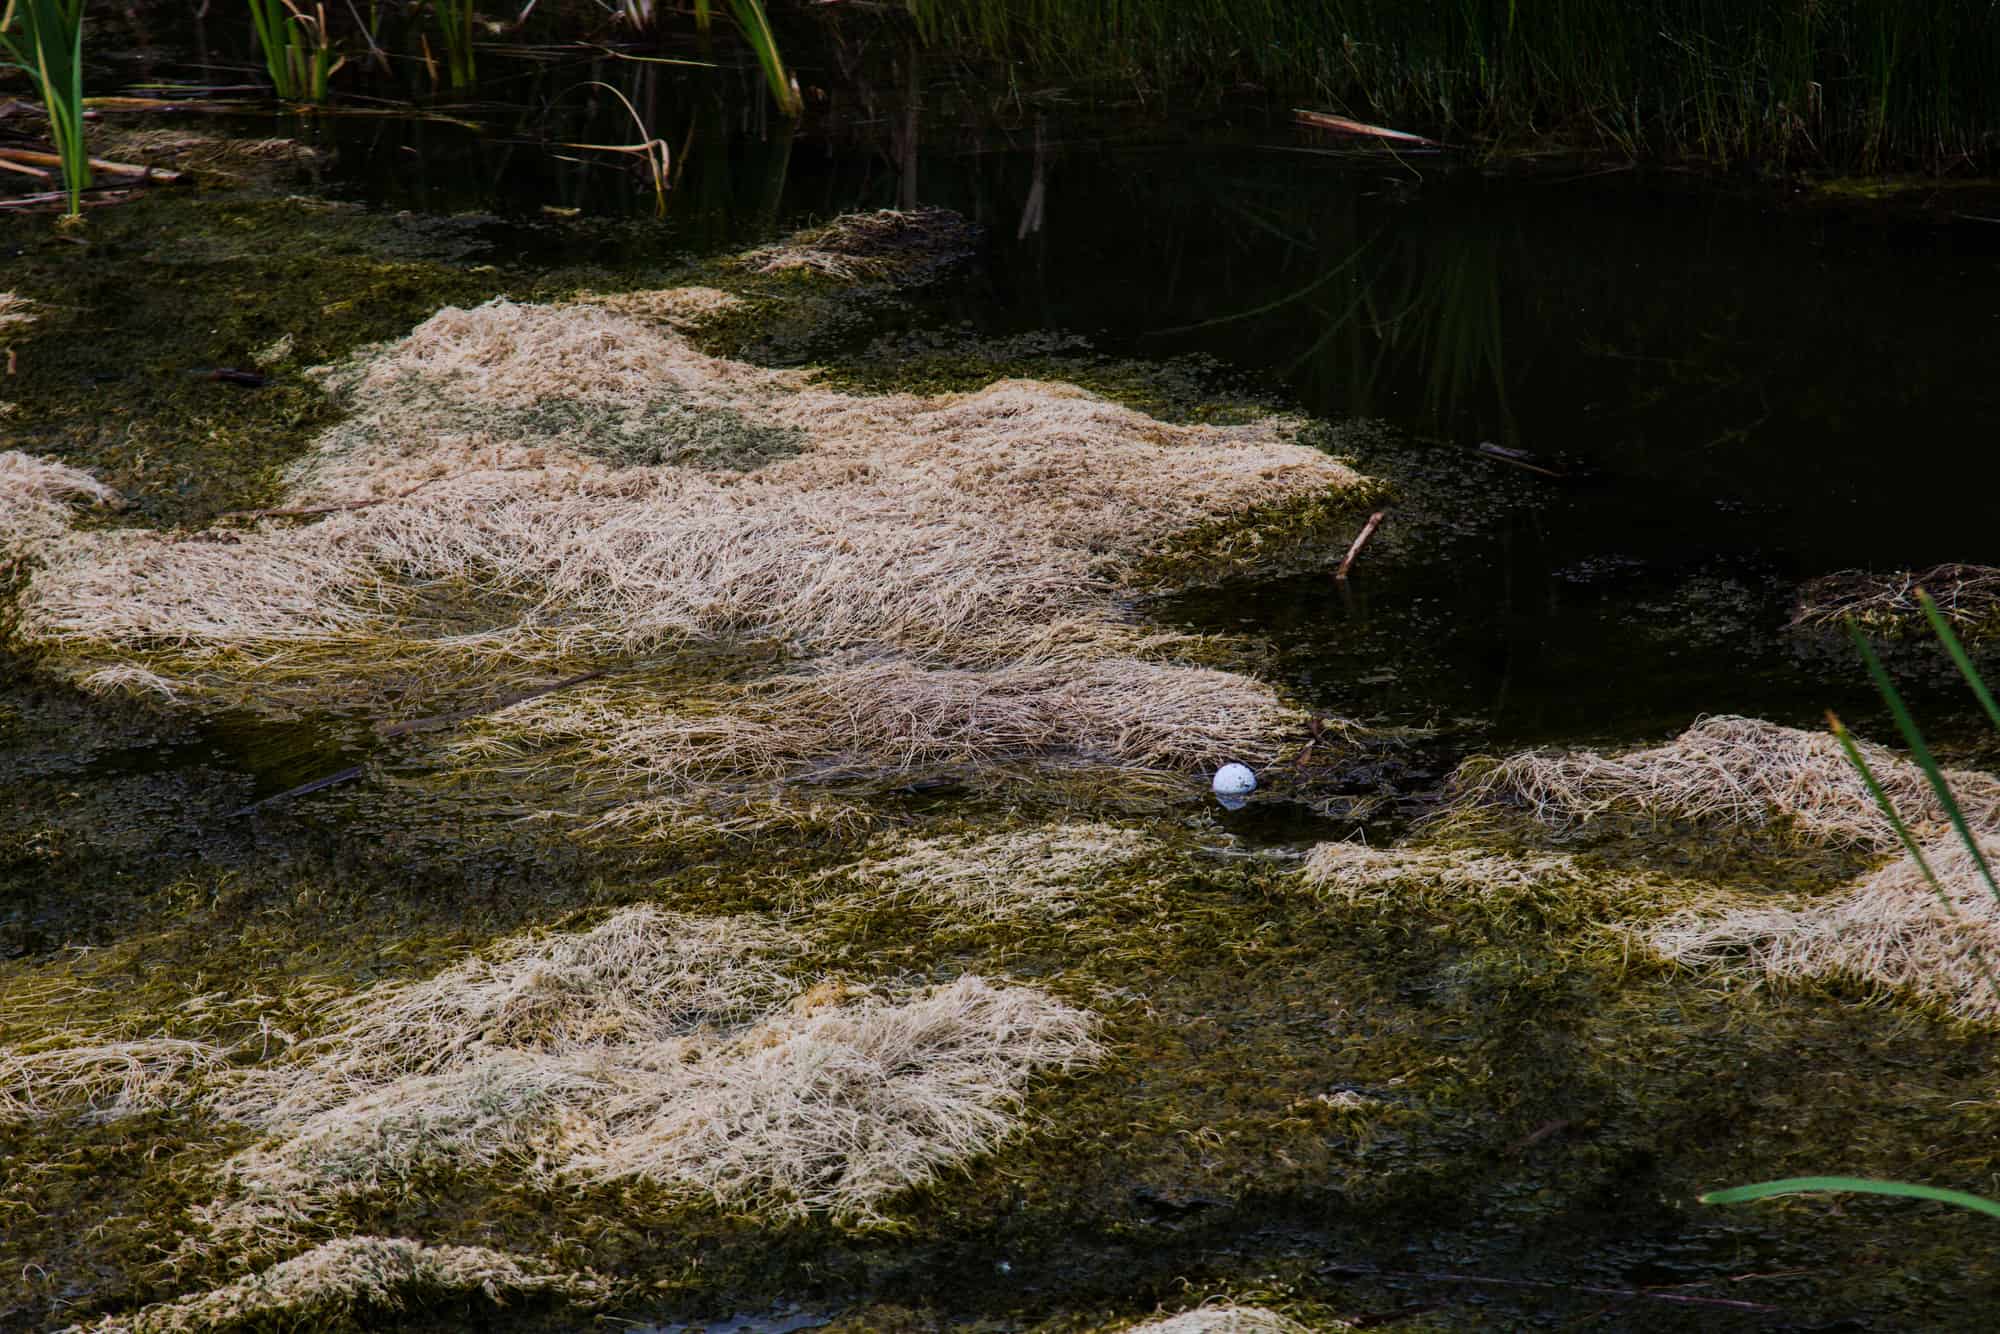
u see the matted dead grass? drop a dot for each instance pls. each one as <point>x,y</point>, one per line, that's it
<point>38,499</point>
<point>103,1081</point>
<point>679,308</point>
<point>1967,595</point>
<point>521,492</point>
<point>656,1048</point>
<point>340,1279</point>
<point>1041,872</point>
<point>864,246</point>
<point>1727,771</point>
<point>1891,931</point>
<point>1124,720</point>
<point>15,311</point>
<point>1223,1319</point>
<point>1355,871</point>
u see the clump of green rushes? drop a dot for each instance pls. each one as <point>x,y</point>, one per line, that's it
<point>44,38</point>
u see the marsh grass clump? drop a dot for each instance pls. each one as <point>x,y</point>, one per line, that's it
<point>642,974</point>
<point>1892,930</point>
<point>1355,871</point>
<point>522,493</point>
<point>841,1109</point>
<point>1725,772</point>
<point>15,311</point>
<point>38,498</point>
<point>907,244</point>
<point>653,1048</point>
<point>104,1081</point>
<point>344,1279</point>
<point>1040,872</point>
<point>1227,1318</point>
<point>858,725</point>
<point>1967,596</point>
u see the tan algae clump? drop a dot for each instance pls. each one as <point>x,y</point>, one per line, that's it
<point>1356,871</point>
<point>522,491</point>
<point>351,1275</point>
<point>1224,1319</point>
<point>38,498</point>
<point>1890,930</point>
<point>1726,771</point>
<point>656,1047</point>
<point>1038,872</point>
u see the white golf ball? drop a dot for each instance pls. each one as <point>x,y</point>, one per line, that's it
<point>1233,784</point>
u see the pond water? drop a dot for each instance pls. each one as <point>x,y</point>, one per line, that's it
<point>1723,390</point>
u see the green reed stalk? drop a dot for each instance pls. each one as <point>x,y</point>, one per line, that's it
<point>756,26</point>
<point>455,22</point>
<point>297,48</point>
<point>44,38</point>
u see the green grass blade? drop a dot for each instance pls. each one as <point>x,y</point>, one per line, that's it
<point>1921,753</point>
<point>1909,841</point>
<point>1852,1185</point>
<point>1959,657</point>
<point>756,27</point>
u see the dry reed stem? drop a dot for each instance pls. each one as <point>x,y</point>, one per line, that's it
<point>1728,771</point>
<point>333,1282</point>
<point>1225,1319</point>
<point>1891,930</point>
<point>36,496</point>
<point>1967,595</point>
<point>1355,871</point>
<point>1028,873</point>
<point>104,1081</point>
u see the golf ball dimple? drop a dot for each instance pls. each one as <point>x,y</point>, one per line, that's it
<point>1233,785</point>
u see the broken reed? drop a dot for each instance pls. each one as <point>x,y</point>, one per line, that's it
<point>1850,83</point>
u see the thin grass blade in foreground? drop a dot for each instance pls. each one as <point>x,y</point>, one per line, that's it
<point>1764,1190</point>
<point>1922,755</point>
<point>1959,657</point>
<point>1909,841</point>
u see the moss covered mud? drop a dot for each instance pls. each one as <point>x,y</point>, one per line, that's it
<point>1311,1094</point>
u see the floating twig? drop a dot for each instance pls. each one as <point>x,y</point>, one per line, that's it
<point>331,780</point>
<point>1321,120</point>
<point>1518,457</point>
<point>1367,531</point>
<point>31,157</point>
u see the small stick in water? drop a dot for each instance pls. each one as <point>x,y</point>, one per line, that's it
<point>1367,531</point>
